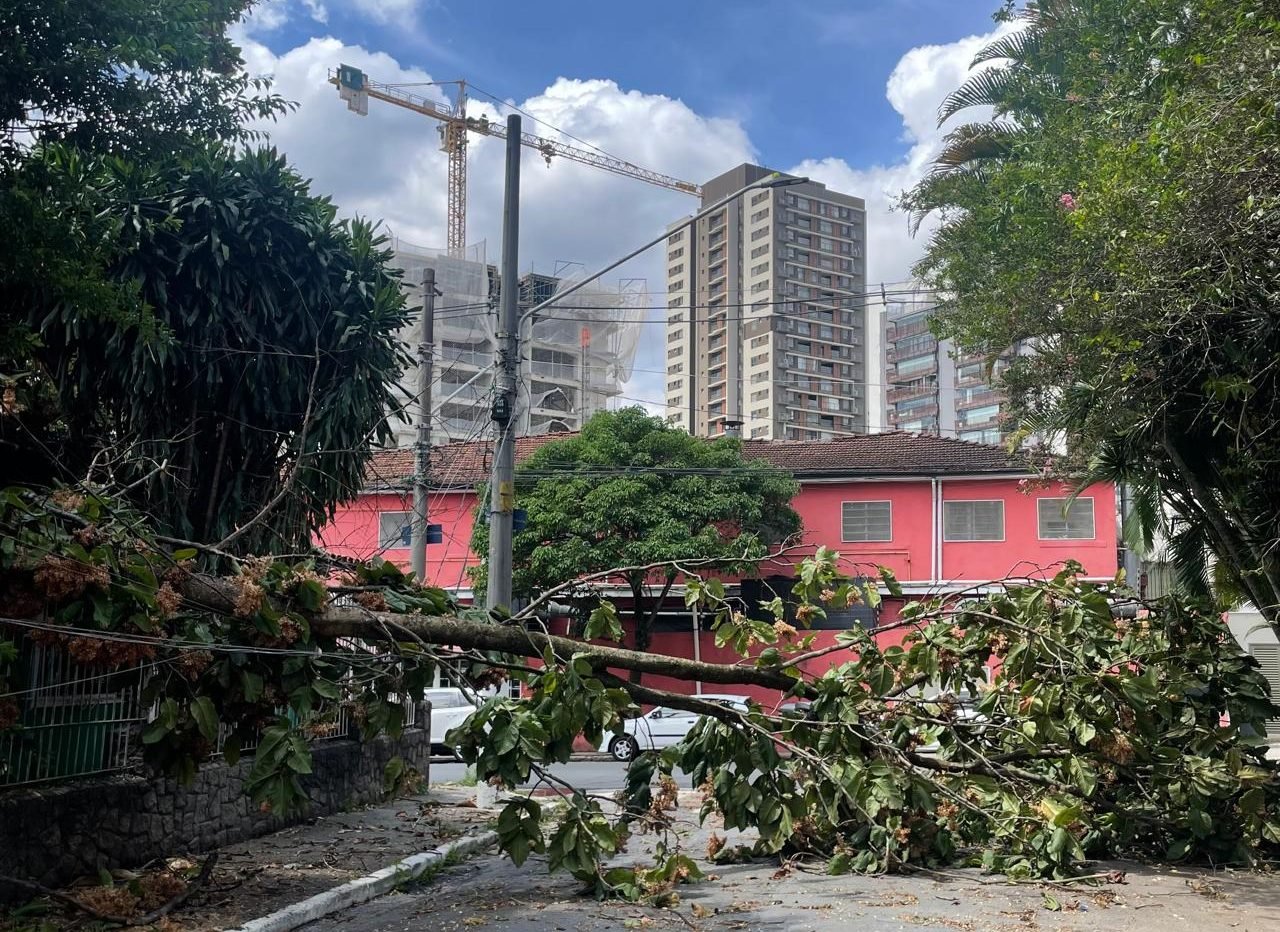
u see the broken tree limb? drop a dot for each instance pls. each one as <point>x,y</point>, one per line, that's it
<point>457,632</point>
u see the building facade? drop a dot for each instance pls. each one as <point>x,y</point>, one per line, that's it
<point>944,515</point>
<point>766,320</point>
<point>929,386</point>
<point>940,512</point>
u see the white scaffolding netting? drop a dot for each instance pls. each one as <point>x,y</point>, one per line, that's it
<point>576,355</point>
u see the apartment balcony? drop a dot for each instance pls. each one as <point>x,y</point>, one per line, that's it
<point>909,392</point>
<point>926,412</point>
<point>981,399</point>
<point>898,332</point>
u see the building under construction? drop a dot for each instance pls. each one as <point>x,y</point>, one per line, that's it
<point>575,356</point>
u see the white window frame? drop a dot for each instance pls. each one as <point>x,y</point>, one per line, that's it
<point>973,540</point>
<point>1093,518</point>
<point>399,544</point>
<point>867,501</point>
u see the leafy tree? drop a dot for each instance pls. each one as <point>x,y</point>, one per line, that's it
<point>1126,228</point>
<point>142,78</point>
<point>178,316</point>
<point>268,367</point>
<point>1094,737</point>
<point>630,491</point>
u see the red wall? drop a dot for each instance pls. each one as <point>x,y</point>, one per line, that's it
<point>1022,553</point>
<point>354,532</point>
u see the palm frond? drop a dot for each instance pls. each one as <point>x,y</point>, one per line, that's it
<point>975,142</point>
<point>1189,550</point>
<point>986,88</point>
<point>1015,46</point>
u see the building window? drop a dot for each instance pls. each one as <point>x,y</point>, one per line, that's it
<point>395,529</point>
<point>866,521</point>
<point>676,369</point>
<point>675,254</point>
<point>981,415</point>
<point>757,432</point>
<point>757,198</point>
<point>760,251</point>
<point>676,269</point>
<point>759,234</point>
<point>973,520</point>
<point>760,269</point>
<point>674,352</point>
<point>1057,521</point>
<point>675,384</point>
<point>675,302</point>
<point>676,286</point>
<point>760,215</point>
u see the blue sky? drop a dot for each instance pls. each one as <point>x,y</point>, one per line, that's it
<point>805,79</point>
<point>844,92</point>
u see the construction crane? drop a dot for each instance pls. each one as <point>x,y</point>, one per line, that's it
<point>355,87</point>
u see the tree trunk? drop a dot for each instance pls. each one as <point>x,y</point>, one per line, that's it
<point>644,630</point>
<point>208,592</point>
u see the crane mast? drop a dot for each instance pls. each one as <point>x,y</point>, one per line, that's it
<point>356,88</point>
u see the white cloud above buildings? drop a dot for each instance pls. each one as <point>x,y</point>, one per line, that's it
<point>388,165</point>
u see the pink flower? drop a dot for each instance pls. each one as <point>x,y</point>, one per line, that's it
<point>1067,201</point>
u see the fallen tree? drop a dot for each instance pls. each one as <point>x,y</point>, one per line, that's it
<point>1093,737</point>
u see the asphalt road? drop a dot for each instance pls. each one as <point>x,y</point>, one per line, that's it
<point>490,893</point>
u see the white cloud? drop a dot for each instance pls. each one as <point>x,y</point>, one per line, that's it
<point>317,10</point>
<point>388,165</point>
<point>388,11</point>
<point>921,80</point>
<point>265,16</point>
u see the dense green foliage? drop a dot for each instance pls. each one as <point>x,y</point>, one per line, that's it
<point>142,78</point>
<point>1096,737</point>
<point>1119,217</point>
<point>238,666</point>
<point>630,491</point>
<point>179,317</point>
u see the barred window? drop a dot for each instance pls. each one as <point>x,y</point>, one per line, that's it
<point>1058,522</point>
<point>973,520</point>
<point>866,521</point>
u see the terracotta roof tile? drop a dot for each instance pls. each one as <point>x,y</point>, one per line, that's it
<point>895,453</point>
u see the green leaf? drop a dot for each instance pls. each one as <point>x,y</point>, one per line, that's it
<point>206,717</point>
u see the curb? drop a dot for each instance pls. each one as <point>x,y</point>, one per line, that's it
<point>363,889</point>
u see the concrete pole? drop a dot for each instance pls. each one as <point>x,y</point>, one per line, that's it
<point>422,446</point>
<point>502,479</point>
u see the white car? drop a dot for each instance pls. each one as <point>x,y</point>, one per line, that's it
<point>662,727</point>
<point>450,707</point>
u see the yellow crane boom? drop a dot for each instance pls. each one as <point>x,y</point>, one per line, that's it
<point>356,88</point>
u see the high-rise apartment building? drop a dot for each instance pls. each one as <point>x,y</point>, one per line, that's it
<point>766,321</point>
<point>929,386</point>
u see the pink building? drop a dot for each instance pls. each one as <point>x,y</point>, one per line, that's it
<point>944,514</point>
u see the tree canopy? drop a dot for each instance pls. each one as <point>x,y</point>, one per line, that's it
<point>631,491</point>
<point>142,78</point>
<point>1118,218</point>
<point>179,315</point>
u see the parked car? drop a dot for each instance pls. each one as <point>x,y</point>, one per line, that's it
<point>662,727</point>
<point>450,707</point>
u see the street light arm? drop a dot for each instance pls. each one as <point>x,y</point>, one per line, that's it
<point>774,180</point>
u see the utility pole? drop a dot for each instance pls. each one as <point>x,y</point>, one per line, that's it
<point>422,446</point>
<point>502,491</point>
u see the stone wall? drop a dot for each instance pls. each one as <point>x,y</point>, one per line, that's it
<point>54,834</point>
